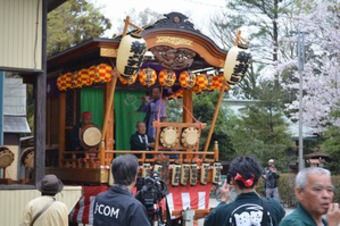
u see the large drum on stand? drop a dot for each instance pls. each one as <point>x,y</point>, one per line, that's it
<point>91,136</point>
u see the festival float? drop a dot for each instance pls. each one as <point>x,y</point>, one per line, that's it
<point>108,77</point>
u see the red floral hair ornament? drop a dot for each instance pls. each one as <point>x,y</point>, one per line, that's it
<point>247,182</point>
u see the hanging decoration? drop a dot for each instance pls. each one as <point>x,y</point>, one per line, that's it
<point>210,86</point>
<point>92,74</point>
<point>202,82</point>
<point>77,82</point>
<point>68,77</point>
<point>85,77</point>
<point>61,83</point>
<point>187,79</point>
<point>167,77</point>
<point>147,76</point>
<point>237,61</point>
<point>222,82</point>
<point>103,73</point>
<point>216,82</point>
<point>128,80</point>
<point>130,54</point>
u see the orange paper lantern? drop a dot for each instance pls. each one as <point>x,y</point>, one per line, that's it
<point>222,82</point>
<point>187,79</point>
<point>61,83</point>
<point>215,82</point>
<point>68,80</point>
<point>210,86</point>
<point>103,73</point>
<point>127,80</point>
<point>85,77</point>
<point>202,81</point>
<point>76,81</point>
<point>167,77</point>
<point>147,76</point>
<point>92,74</point>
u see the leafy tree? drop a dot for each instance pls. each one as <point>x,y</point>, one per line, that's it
<point>262,129</point>
<point>72,23</point>
<point>204,108</point>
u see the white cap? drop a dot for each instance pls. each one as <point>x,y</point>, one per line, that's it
<point>270,161</point>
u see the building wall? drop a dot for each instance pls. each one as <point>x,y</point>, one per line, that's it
<point>21,36</point>
<point>13,202</point>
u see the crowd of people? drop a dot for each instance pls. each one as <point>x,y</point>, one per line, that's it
<point>118,206</point>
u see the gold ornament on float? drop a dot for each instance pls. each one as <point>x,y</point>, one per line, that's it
<point>190,137</point>
<point>169,137</point>
<point>167,77</point>
<point>147,77</point>
<point>187,79</point>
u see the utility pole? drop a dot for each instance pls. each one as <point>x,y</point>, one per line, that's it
<point>301,62</point>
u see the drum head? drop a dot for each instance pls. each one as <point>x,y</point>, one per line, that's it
<point>6,157</point>
<point>169,137</point>
<point>27,158</point>
<point>91,136</point>
<point>190,137</point>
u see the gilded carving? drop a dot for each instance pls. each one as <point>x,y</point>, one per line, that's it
<point>173,40</point>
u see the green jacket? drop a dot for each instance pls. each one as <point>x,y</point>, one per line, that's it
<point>300,217</point>
<point>227,215</point>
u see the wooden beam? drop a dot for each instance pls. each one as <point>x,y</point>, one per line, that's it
<point>108,109</point>
<point>40,106</point>
<point>109,131</point>
<point>213,122</point>
<point>187,106</point>
<point>62,125</point>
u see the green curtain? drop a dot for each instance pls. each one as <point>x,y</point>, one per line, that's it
<point>127,103</point>
<point>92,100</point>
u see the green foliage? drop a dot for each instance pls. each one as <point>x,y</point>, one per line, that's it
<point>262,130</point>
<point>286,187</point>
<point>204,108</point>
<point>72,23</point>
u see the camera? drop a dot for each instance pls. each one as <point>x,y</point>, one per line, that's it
<point>150,191</point>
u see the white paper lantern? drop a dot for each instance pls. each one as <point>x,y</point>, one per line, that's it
<point>130,54</point>
<point>236,64</point>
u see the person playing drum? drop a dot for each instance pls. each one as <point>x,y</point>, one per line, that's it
<point>77,143</point>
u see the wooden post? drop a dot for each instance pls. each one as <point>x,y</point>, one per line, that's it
<point>187,103</point>
<point>213,122</point>
<point>109,131</point>
<point>62,125</point>
<point>106,117</point>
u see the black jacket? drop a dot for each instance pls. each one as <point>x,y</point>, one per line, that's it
<point>225,214</point>
<point>118,207</point>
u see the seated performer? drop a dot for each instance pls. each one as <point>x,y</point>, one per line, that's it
<point>76,141</point>
<point>140,140</point>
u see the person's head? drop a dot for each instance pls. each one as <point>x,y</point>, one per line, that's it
<point>314,190</point>
<point>245,172</point>
<point>50,185</point>
<point>156,92</point>
<point>141,128</point>
<point>86,118</point>
<point>271,162</point>
<point>125,169</point>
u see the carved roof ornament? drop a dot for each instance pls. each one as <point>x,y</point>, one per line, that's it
<point>175,59</point>
<point>174,20</point>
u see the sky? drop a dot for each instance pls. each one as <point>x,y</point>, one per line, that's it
<point>198,11</point>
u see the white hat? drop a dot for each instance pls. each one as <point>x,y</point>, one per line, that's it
<point>270,161</point>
